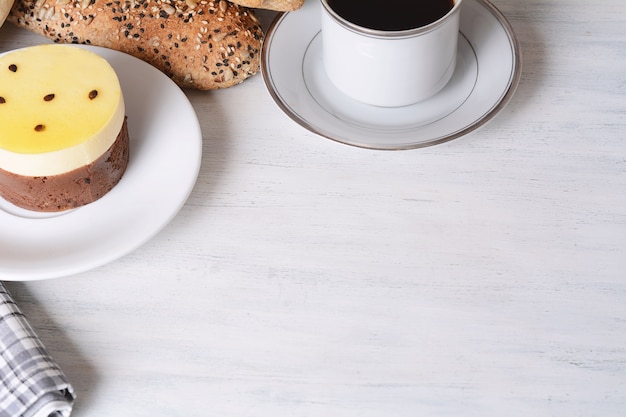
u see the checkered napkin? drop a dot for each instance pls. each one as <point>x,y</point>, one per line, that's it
<point>32,385</point>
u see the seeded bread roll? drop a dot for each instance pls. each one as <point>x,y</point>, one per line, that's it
<point>278,5</point>
<point>200,44</point>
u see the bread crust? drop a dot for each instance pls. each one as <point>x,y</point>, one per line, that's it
<point>200,44</point>
<point>5,6</point>
<point>278,5</point>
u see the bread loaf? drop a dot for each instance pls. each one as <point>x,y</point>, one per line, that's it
<point>278,5</point>
<point>5,6</point>
<point>201,44</point>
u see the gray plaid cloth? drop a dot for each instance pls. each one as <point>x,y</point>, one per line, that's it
<point>32,383</point>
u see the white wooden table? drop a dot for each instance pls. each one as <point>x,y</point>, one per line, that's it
<point>482,277</point>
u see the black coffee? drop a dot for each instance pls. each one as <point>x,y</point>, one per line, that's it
<point>391,15</point>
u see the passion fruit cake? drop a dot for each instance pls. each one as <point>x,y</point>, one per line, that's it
<point>63,132</point>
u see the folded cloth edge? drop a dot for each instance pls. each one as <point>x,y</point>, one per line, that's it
<point>52,404</point>
<point>32,384</point>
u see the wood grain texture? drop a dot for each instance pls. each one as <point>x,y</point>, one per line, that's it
<point>483,277</point>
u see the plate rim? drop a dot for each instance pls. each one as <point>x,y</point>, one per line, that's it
<point>505,96</point>
<point>50,269</point>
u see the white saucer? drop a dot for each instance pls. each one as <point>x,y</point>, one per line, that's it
<point>487,74</point>
<point>165,154</point>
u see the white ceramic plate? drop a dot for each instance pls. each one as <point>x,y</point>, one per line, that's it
<point>487,74</point>
<point>165,154</point>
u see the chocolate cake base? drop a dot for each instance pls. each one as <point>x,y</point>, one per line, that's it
<point>72,189</point>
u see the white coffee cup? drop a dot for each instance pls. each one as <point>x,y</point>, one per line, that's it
<point>389,68</point>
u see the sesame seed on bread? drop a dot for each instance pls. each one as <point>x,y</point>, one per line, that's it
<point>200,44</point>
